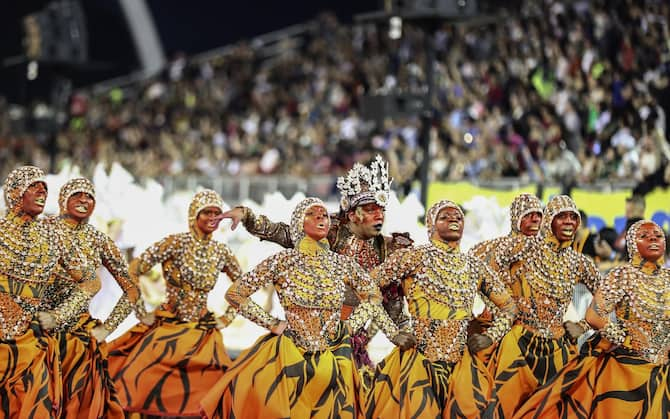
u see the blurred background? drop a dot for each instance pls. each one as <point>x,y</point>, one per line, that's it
<point>464,98</point>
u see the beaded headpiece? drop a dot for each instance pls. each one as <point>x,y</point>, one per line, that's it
<point>431,216</point>
<point>74,186</point>
<point>631,240</point>
<point>555,206</point>
<point>18,181</point>
<point>201,200</point>
<point>523,205</point>
<point>365,185</point>
<point>298,218</point>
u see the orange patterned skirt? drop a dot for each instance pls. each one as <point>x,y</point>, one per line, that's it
<point>409,385</point>
<point>169,368</point>
<point>277,379</point>
<point>523,361</point>
<point>88,390</point>
<point>600,384</point>
<point>30,384</point>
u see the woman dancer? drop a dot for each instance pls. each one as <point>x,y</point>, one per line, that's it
<point>441,376</point>
<point>167,368</point>
<point>625,372</point>
<point>305,366</point>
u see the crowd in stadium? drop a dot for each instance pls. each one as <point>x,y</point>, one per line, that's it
<point>553,92</point>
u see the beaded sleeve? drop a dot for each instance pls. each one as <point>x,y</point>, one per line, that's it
<point>370,306</point>
<point>261,227</point>
<point>590,275</point>
<point>114,262</point>
<point>77,268</point>
<point>493,290</point>
<point>234,271</point>
<point>239,293</point>
<point>509,251</point>
<point>608,295</point>
<point>156,253</point>
<point>396,267</point>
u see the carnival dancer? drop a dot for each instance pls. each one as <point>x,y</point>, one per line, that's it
<point>305,366</point>
<point>88,391</point>
<point>355,232</point>
<point>525,218</point>
<point>167,368</point>
<point>624,371</point>
<point>441,377</point>
<point>30,379</point>
<point>541,272</point>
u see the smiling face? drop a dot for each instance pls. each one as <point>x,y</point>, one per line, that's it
<point>34,199</point>
<point>530,223</point>
<point>650,241</point>
<point>316,222</point>
<point>449,224</point>
<point>80,206</point>
<point>564,225</point>
<point>208,220</point>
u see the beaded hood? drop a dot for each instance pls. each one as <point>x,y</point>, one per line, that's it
<point>298,218</point>
<point>555,206</point>
<point>634,256</point>
<point>18,181</point>
<point>201,200</point>
<point>71,187</point>
<point>523,205</point>
<point>431,216</point>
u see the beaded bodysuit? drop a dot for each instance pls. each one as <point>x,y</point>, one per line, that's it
<point>29,255</point>
<point>311,280</point>
<point>191,264</point>
<point>542,272</point>
<point>639,294</point>
<point>440,283</point>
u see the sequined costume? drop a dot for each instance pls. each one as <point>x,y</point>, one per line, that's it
<point>309,370</point>
<point>30,382</point>
<point>88,390</point>
<point>440,375</point>
<point>633,380</point>
<point>541,272</point>
<point>522,205</point>
<point>367,252</point>
<point>165,369</point>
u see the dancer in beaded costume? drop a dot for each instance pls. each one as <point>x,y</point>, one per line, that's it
<point>305,366</point>
<point>541,272</point>
<point>441,377</point>
<point>167,368</point>
<point>355,232</point>
<point>88,390</point>
<point>624,371</point>
<point>525,218</point>
<point>30,379</point>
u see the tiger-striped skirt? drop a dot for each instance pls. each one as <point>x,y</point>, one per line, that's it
<point>409,385</point>
<point>603,385</point>
<point>88,390</point>
<point>168,369</point>
<point>30,377</point>
<point>277,379</point>
<point>523,361</point>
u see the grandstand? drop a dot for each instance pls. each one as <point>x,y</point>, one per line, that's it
<point>570,94</point>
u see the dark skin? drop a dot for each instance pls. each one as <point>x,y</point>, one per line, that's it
<point>564,227</point>
<point>530,223</point>
<point>449,229</point>
<point>316,225</point>
<point>34,198</point>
